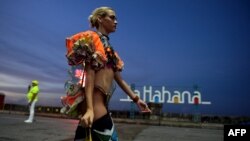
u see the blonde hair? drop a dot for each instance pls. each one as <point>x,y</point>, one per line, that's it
<point>98,12</point>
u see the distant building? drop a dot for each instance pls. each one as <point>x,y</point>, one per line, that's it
<point>2,96</point>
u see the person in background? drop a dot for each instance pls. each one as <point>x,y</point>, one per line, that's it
<point>32,97</point>
<point>102,66</point>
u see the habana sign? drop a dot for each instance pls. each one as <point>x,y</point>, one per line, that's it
<point>165,96</point>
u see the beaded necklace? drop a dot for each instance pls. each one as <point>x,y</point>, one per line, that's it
<point>109,51</point>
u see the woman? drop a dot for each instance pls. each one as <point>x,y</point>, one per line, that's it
<point>102,65</point>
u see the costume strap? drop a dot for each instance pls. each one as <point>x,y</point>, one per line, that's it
<point>88,134</point>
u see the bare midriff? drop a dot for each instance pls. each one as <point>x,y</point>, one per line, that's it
<point>103,83</point>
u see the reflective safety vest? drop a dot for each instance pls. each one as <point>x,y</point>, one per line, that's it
<point>33,90</point>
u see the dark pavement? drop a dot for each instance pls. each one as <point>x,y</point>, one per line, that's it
<point>13,128</point>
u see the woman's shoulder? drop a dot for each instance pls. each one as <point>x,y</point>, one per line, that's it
<point>82,34</point>
<point>85,46</point>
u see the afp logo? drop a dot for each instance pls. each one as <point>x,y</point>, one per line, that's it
<point>236,132</point>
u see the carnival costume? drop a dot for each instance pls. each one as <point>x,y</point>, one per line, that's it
<point>93,48</point>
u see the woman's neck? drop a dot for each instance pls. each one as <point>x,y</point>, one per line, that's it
<point>102,34</point>
<point>102,31</point>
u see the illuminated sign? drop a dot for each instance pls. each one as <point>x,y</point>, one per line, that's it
<point>165,96</point>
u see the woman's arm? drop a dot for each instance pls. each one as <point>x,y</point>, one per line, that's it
<point>125,87</point>
<point>88,117</point>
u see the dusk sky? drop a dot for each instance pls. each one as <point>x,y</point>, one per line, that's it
<point>173,43</point>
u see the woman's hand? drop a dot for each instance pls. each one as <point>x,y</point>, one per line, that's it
<point>143,106</point>
<point>87,119</point>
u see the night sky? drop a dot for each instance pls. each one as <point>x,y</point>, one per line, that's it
<point>183,45</point>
